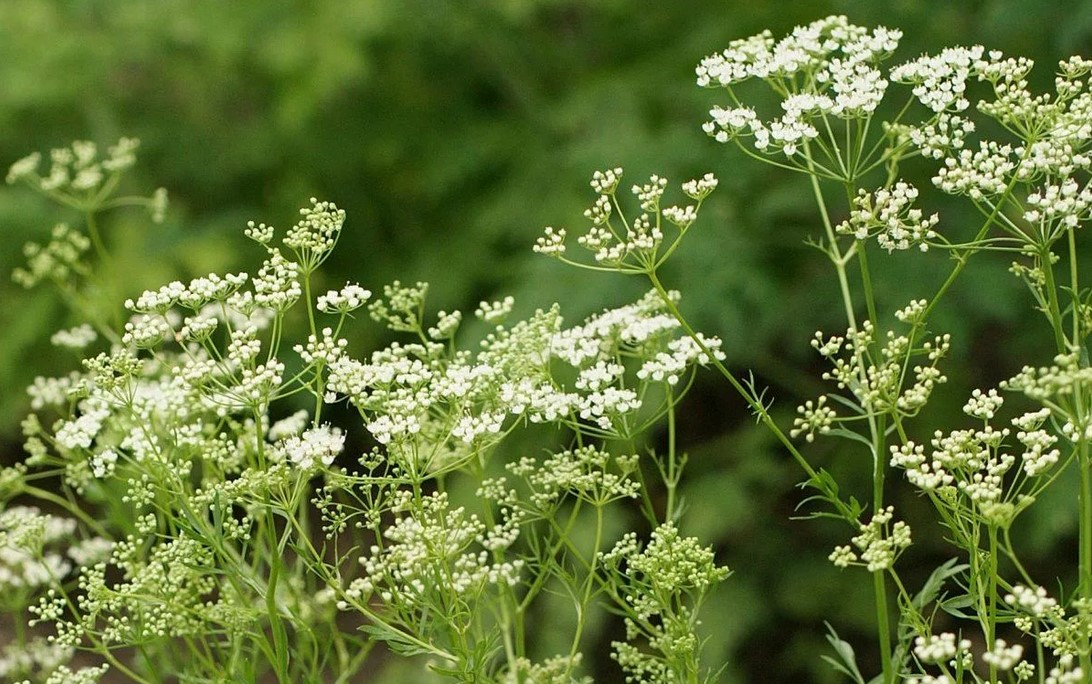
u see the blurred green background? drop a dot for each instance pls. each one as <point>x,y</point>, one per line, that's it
<point>451,132</point>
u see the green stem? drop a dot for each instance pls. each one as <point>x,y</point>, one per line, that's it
<point>1074,284</point>
<point>836,256</point>
<point>991,599</point>
<point>879,589</point>
<point>672,479</point>
<point>1054,311</point>
<point>1085,527</point>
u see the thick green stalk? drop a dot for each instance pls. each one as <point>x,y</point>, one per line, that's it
<point>1083,465</point>
<point>672,480</point>
<point>1085,526</point>
<point>991,599</point>
<point>883,626</point>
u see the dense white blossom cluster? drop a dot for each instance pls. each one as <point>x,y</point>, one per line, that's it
<point>78,337</point>
<point>889,214</point>
<point>976,462</point>
<point>827,68</point>
<point>434,554</point>
<point>411,394</point>
<point>879,543</point>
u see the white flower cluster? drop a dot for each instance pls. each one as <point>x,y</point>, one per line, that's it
<point>1034,602</point>
<point>606,182</point>
<point>434,554</point>
<point>74,338</point>
<point>1038,456</point>
<point>814,416</point>
<point>1002,656</point>
<point>975,462</point>
<point>828,67</point>
<point>913,313</point>
<point>59,260</point>
<point>348,298</point>
<point>979,174</point>
<point>923,473</point>
<point>145,331</point>
<point>889,214</point>
<point>495,312</point>
<point>879,544</point>
<point>942,135</point>
<point>325,348</point>
<point>552,242</point>
<point>80,431</point>
<point>194,295</point>
<point>785,135</point>
<point>807,50</point>
<point>36,655</point>
<point>1067,671</point>
<point>585,472</point>
<point>289,426</point>
<point>941,648</point>
<point>555,670</point>
<point>1066,203</point>
<point>983,404</point>
<point>277,284</point>
<point>259,232</point>
<point>1065,376</point>
<point>682,353</point>
<point>54,392</point>
<point>418,393</point>
<point>84,675</point>
<point>700,188</point>
<point>316,447</point>
<point>1053,133</point>
<point>76,169</point>
<point>447,324</point>
<point>880,382</point>
<point>27,557</point>
<point>632,246</point>
<point>1050,385</point>
<point>315,234</point>
<point>969,459</point>
<point>940,81</point>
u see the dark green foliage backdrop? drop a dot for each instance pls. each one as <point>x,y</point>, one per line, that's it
<point>452,132</point>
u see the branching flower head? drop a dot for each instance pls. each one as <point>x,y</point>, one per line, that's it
<point>639,245</point>
<point>879,543</point>
<point>60,260</point>
<point>662,588</point>
<point>889,214</point>
<point>315,234</point>
<point>828,67</point>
